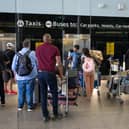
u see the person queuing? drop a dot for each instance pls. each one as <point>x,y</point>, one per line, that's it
<point>8,75</point>
<point>74,56</point>
<point>24,66</point>
<point>81,78</point>
<point>89,69</point>
<point>2,68</point>
<point>48,56</point>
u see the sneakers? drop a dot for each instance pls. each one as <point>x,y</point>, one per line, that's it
<point>54,117</point>
<point>12,92</point>
<point>46,119</point>
<point>19,109</point>
<point>2,104</point>
<point>29,110</point>
<point>57,117</point>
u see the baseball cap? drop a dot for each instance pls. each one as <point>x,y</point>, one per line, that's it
<point>10,45</point>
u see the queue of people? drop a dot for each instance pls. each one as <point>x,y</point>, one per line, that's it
<point>87,63</point>
<point>28,65</point>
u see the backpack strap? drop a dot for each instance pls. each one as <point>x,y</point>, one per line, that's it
<point>18,54</point>
<point>28,52</point>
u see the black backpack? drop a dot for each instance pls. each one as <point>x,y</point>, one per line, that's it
<point>24,66</point>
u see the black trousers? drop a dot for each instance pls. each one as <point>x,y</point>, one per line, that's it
<point>2,94</point>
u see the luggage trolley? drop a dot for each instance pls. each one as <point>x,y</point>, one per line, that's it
<point>115,85</point>
<point>66,92</point>
<point>70,74</point>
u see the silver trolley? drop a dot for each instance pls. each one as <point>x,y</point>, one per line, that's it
<point>115,85</point>
<point>69,74</point>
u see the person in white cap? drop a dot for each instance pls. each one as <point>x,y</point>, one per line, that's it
<point>8,75</point>
<point>10,46</point>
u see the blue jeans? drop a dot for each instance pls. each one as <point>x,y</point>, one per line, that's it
<point>81,79</point>
<point>48,79</point>
<point>25,92</point>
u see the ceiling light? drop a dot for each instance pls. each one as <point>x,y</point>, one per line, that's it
<point>101,5</point>
<point>121,6</point>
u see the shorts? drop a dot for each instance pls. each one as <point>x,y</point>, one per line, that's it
<point>7,75</point>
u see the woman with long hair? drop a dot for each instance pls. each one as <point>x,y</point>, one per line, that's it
<point>89,69</point>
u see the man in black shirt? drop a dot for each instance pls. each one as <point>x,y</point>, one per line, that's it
<point>8,75</point>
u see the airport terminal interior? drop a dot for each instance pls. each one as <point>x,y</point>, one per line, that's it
<point>102,111</point>
<point>101,26</point>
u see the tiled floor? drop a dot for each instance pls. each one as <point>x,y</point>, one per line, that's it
<point>99,113</point>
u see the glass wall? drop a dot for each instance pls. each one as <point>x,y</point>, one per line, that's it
<point>68,27</point>
<point>94,32</point>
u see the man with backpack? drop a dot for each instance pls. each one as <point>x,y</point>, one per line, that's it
<point>24,66</point>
